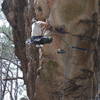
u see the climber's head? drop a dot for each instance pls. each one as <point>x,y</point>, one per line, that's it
<point>33,20</point>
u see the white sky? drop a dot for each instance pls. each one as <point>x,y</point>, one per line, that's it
<point>3,20</point>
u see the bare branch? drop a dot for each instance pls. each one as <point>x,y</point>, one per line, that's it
<point>9,79</point>
<point>7,36</point>
<point>10,61</point>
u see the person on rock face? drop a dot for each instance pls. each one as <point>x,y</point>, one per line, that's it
<point>40,28</point>
<point>39,32</point>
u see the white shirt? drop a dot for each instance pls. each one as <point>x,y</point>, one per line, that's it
<point>37,28</point>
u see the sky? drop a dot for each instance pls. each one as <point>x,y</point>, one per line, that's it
<point>3,20</point>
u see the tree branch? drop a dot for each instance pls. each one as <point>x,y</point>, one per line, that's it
<point>7,36</point>
<point>10,61</point>
<point>14,78</point>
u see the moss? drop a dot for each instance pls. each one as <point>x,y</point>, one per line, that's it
<point>49,72</point>
<point>52,65</point>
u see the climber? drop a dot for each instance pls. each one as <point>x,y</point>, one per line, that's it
<point>40,28</point>
<point>39,31</point>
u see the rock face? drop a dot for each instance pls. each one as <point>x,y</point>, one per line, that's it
<point>67,76</point>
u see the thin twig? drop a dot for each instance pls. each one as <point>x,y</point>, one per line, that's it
<point>7,36</point>
<point>14,78</point>
<point>10,61</point>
